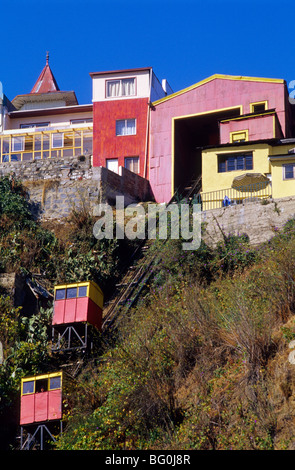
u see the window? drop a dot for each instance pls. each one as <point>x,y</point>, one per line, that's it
<point>122,87</point>
<point>289,171</point>
<point>18,144</point>
<point>234,162</point>
<point>240,136</point>
<point>60,294</point>
<point>71,292</point>
<point>41,385</point>
<point>28,387</point>
<point>57,140</point>
<point>132,164</point>
<point>81,121</point>
<point>126,127</point>
<point>112,164</point>
<point>55,383</point>
<point>82,291</point>
<point>34,125</point>
<point>258,107</point>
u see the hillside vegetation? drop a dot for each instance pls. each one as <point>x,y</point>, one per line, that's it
<point>201,361</point>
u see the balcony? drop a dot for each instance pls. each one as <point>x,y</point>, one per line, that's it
<point>22,145</point>
<point>231,196</point>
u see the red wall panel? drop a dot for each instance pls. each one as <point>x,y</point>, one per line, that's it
<point>81,309</point>
<point>94,314</point>
<point>58,312</point>
<point>27,410</point>
<point>70,310</point>
<point>105,142</point>
<point>54,404</point>
<point>41,406</point>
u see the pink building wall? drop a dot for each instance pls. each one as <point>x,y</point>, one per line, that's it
<point>215,94</point>
<point>260,127</point>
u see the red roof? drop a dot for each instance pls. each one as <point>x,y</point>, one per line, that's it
<point>46,82</point>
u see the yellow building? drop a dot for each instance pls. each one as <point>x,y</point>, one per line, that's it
<point>246,171</point>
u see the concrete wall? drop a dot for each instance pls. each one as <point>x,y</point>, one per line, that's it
<point>260,222</point>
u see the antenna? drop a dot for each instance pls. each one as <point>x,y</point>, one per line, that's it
<point>47,57</point>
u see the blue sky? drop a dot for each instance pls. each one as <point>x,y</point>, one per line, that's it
<point>183,40</point>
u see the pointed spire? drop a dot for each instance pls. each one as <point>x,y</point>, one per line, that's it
<point>46,82</point>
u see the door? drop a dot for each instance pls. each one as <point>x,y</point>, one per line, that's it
<point>112,165</point>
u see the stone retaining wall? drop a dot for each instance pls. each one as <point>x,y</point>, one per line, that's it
<point>66,167</point>
<point>57,186</point>
<point>259,221</point>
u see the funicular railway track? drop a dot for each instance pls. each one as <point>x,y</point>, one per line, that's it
<point>140,271</point>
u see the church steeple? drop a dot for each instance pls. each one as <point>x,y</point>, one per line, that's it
<point>46,82</point>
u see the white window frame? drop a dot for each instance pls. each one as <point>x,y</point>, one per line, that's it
<point>125,129</point>
<point>18,140</point>
<point>119,93</point>
<point>60,134</point>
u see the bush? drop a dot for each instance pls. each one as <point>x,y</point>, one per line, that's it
<point>13,201</point>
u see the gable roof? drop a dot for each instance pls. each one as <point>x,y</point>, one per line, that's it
<point>222,77</point>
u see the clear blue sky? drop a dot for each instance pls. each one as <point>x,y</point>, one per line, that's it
<point>183,40</point>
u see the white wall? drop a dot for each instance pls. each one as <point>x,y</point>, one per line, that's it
<point>142,85</point>
<point>58,119</point>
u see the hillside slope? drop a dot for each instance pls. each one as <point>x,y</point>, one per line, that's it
<point>200,362</point>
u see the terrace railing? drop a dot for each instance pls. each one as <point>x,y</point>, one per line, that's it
<point>46,143</point>
<point>230,196</point>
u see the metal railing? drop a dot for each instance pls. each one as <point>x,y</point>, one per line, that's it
<point>231,196</point>
<point>41,144</point>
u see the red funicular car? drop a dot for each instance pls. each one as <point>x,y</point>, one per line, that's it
<point>41,398</point>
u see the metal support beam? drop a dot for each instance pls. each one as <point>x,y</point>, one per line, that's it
<point>70,337</point>
<point>36,437</point>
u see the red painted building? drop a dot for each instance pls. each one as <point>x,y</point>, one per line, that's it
<point>121,113</point>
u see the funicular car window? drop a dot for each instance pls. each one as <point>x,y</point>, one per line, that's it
<point>41,385</point>
<point>54,383</point>
<point>82,291</point>
<point>71,292</point>
<point>28,387</point>
<point>60,294</point>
